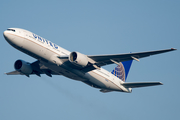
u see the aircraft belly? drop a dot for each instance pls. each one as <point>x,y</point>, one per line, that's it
<point>62,70</point>
<point>97,80</point>
<point>102,81</point>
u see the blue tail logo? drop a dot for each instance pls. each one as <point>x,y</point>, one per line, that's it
<point>122,70</point>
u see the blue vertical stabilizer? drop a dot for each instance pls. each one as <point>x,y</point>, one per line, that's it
<point>122,70</point>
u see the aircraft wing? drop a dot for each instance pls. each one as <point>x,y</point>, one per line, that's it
<point>38,69</point>
<point>101,60</point>
<point>13,73</point>
<point>140,84</point>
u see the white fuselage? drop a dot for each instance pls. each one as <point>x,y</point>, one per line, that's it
<point>46,52</point>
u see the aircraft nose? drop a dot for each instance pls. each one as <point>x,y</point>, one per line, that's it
<point>8,37</point>
<point>5,34</point>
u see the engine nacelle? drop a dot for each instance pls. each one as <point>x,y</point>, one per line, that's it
<point>78,59</point>
<point>23,67</point>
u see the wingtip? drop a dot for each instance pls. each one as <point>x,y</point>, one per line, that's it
<point>160,83</point>
<point>173,49</point>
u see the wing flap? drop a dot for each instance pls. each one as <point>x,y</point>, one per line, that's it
<point>140,84</point>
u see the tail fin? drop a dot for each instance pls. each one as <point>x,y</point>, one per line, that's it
<point>122,70</point>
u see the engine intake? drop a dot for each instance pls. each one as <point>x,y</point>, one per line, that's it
<point>23,67</point>
<point>78,59</point>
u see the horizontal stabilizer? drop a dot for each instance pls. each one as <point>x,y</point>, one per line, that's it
<point>140,84</point>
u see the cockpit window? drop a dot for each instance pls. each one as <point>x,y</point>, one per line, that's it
<point>11,30</point>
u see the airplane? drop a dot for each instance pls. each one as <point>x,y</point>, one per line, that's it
<point>55,60</point>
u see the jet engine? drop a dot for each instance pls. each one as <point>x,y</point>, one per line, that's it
<point>23,67</point>
<point>78,59</point>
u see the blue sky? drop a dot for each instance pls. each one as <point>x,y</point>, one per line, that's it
<point>92,28</point>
